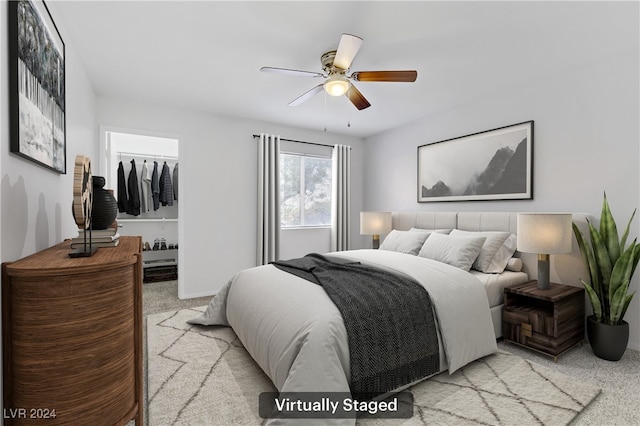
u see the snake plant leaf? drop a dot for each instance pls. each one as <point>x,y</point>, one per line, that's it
<point>602,258</point>
<point>625,234</point>
<point>618,304</point>
<point>587,257</point>
<point>596,305</point>
<point>609,232</point>
<point>636,256</point>
<point>622,270</point>
<point>627,301</point>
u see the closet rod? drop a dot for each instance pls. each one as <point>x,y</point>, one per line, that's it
<point>308,143</point>
<point>136,154</point>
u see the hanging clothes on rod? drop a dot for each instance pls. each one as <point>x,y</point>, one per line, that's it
<point>123,200</point>
<point>151,192</point>
<point>146,200</point>
<point>175,182</point>
<point>155,186</point>
<point>134,193</point>
<point>166,187</point>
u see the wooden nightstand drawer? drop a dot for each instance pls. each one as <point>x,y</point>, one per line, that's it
<point>550,321</point>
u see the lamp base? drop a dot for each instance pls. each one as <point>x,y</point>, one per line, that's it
<point>543,271</point>
<point>376,241</point>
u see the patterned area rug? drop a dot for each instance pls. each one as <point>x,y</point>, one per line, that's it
<point>203,376</point>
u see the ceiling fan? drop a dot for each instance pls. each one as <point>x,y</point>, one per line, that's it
<point>335,64</point>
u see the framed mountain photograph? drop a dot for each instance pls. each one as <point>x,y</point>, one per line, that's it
<point>491,165</point>
<point>37,83</point>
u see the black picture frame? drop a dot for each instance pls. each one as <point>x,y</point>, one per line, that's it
<point>37,101</point>
<point>494,164</point>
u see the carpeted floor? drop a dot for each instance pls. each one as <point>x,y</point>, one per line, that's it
<point>161,297</point>
<point>620,381</point>
<point>198,374</point>
<point>619,402</point>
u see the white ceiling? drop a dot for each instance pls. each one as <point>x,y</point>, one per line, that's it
<point>206,55</point>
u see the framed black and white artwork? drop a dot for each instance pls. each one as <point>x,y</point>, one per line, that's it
<point>495,164</point>
<point>37,85</point>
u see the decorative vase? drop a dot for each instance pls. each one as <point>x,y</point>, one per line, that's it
<point>105,207</point>
<point>607,341</point>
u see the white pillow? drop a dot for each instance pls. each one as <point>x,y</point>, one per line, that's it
<point>514,264</point>
<point>404,241</point>
<point>439,231</point>
<point>456,251</point>
<point>496,251</point>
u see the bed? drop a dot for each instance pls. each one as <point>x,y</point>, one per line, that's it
<point>478,222</point>
<point>297,335</point>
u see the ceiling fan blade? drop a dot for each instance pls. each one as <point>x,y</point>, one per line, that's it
<point>291,72</point>
<point>357,98</point>
<point>307,95</point>
<point>347,49</point>
<point>393,76</point>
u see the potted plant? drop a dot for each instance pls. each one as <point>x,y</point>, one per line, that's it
<point>611,264</point>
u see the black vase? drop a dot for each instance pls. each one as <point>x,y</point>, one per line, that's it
<point>105,207</point>
<point>607,341</point>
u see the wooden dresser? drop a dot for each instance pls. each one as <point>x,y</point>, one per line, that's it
<point>72,337</point>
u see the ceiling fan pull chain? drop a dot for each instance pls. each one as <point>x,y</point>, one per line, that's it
<point>325,111</point>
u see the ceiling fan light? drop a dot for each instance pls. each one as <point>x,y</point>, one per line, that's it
<point>336,86</point>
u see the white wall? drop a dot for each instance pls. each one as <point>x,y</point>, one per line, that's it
<point>586,141</point>
<point>36,202</point>
<point>299,242</point>
<point>218,175</point>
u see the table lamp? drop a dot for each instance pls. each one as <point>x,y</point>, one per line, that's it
<point>375,223</point>
<point>545,234</point>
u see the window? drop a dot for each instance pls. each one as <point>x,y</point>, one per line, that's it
<point>305,190</point>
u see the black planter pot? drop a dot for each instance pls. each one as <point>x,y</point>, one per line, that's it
<point>104,208</point>
<point>607,341</point>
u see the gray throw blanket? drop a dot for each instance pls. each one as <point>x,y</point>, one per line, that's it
<point>388,317</point>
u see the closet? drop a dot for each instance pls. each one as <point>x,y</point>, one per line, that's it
<point>143,172</point>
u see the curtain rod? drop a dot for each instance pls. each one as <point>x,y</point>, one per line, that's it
<point>308,143</point>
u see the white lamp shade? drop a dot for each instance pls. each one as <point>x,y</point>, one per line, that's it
<point>375,223</point>
<point>544,233</point>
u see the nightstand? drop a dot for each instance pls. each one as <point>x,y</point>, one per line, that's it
<point>548,321</point>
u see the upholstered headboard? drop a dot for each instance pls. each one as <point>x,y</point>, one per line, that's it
<point>403,221</point>
<point>467,221</point>
<point>565,268</point>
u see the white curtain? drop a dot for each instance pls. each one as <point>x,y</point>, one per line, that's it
<point>341,196</point>
<point>268,199</point>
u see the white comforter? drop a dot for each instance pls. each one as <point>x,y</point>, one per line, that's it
<point>296,334</point>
